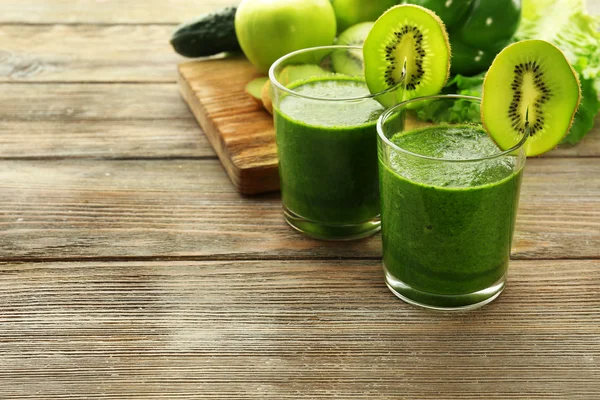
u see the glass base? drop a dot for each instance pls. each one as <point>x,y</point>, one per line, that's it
<point>443,302</point>
<point>323,231</point>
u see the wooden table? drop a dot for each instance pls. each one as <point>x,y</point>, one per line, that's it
<point>131,269</point>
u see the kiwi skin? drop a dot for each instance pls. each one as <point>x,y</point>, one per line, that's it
<point>355,35</point>
<point>254,91</point>
<point>265,95</point>
<point>384,98</point>
<point>483,122</point>
<point>446,38</point>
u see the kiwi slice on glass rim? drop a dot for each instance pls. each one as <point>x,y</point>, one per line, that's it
<point>406,49</point>
<point>530,88</point>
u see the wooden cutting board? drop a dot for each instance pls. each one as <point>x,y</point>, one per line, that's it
<point>240,130</point>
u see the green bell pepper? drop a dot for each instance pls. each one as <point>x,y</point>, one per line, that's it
<point>478,29</point>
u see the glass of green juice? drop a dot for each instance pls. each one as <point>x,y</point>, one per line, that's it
<point>325,125</point>
<point>449,199</point>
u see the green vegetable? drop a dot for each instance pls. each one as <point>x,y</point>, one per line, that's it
<point>470,84</point>
<point>584,118</point>
<point>478,29</point>
<point>565,24</point>
<point>489,24</point>
<point>451,12</point>
<point>208,34</point>
<point>458,111</point>
<point>469,60</point>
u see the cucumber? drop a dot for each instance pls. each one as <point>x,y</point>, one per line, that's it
<point>208,34</point>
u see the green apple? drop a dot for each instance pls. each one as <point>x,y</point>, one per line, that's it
<point>351,12</point>
<point>270,29</point>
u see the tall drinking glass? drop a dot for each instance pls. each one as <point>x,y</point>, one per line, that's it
<point>449,199</point>
<point>325,124</point>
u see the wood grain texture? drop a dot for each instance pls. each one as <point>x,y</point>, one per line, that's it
<point>106,11</point>
<point>290,330</point>
<point>589,146</point>
<point>97,209</point>
<point>98,121</point>
<point>98,102</point>
<point>81,53</point>
<point>141,139</point>
<point>193,291</point>
<point>240,131</point>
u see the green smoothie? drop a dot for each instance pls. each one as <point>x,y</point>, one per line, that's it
<point>447,227</point>
<point>328,152</point>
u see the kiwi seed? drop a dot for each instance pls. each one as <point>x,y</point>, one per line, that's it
<point>415,78</point>
<point>517,120</point>
<point>530,88</point>
<point>407,48</point>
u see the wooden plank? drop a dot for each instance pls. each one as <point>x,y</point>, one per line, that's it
<point>98,209</point>
<point>90,102</point>
<point>240,130</point>
<point>290,330</point>
<point>106,12</point>
<point>162,138</point>
<point>61,53</point>
<point>97,120</point>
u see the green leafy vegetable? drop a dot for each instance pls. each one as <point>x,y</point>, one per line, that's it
<point>584,119</point>
<point>566,24</point>
<point>563,23</point>
<point>457,111</point>
<point>467,82</point>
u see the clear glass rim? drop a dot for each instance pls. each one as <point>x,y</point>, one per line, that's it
<point>387,113</point>
<point>281,87</point>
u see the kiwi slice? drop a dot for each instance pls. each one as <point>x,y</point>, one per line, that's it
<point>407,48</point>
<point>254,88</point>
<point>530,87</point>
<point>350,61</point>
